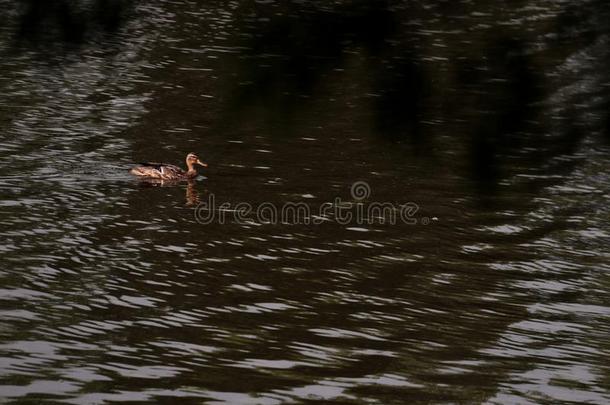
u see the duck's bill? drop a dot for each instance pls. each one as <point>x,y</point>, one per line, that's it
<point>200,163</point>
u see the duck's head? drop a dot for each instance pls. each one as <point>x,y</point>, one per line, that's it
<point>192,159</point>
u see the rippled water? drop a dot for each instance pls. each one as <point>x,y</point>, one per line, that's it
<point>111,290</point>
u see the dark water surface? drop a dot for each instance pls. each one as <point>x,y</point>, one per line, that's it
<point>490,118</point>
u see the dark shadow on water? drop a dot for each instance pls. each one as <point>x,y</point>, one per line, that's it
<point>49,21</point>
<point>512,90</point>
<point>502,82</point>
<point>289,56</point>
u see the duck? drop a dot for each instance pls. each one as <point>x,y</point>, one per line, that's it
<point>164,171</point>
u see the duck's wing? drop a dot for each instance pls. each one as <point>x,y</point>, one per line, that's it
<point>158,170</point>
<point>171,171</point>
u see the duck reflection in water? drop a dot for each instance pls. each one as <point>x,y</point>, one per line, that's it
<point>192,195</point>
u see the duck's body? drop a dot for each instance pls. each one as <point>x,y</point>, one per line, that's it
<point>164,171</point>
